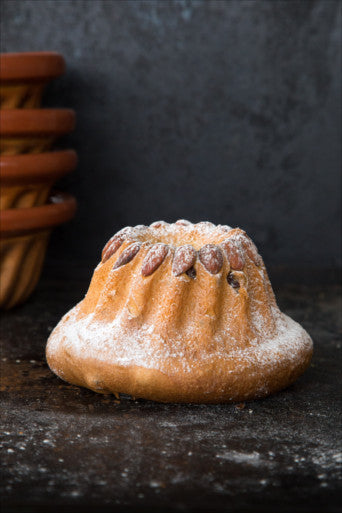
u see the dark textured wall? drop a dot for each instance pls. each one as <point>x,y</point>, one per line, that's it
<point>220,110</point>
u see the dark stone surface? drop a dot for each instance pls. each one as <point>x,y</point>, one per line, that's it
<point>221,110</point>
<point>69,449</point>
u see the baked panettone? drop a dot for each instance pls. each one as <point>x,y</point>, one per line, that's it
<point>180,313</point>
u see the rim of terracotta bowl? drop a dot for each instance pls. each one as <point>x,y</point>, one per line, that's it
<point>60,208</point>
<point>28,122</point>
<point>39,167</point>
<point>31,66</point>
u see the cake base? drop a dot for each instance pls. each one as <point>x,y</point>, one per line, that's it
<point>106,359</point>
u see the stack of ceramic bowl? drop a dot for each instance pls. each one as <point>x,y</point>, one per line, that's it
<point>28,169</point>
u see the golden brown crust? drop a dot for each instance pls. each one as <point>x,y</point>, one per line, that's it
<point>143,329</point>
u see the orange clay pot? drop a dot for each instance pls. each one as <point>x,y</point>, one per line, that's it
<point>33,130</point>
<point>26,180</point>
<point>24,76</point>
<point>24,234</point>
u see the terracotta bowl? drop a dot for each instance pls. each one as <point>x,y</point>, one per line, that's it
<point>24,235</point>
<point>33,130</point>
<point>24,76</point>
<point>26,180</point>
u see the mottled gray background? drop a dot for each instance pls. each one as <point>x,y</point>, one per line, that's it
<point>220,110</point>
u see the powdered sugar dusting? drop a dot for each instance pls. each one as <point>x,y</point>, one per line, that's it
<point>115,344</point>
<point>176,234</point>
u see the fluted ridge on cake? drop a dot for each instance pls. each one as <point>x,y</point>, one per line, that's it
<point>148,276</point>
